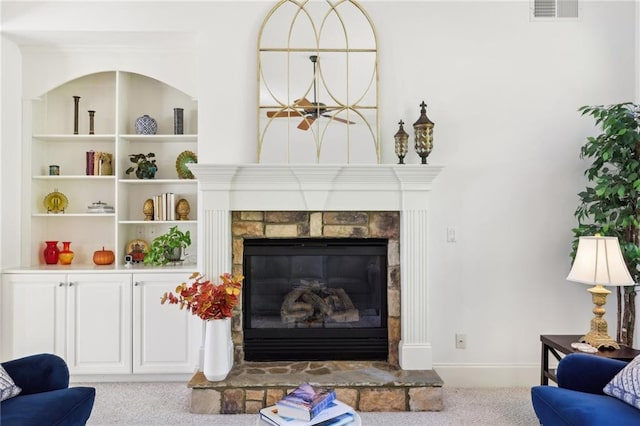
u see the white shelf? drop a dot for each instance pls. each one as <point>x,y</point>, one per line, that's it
<point>75,138</point>
<point>61,215</point>
<point>156,222</point>
<point>156,181</point>
<point>160,138</point>
<point>91,268</point>
<point>73,177</point>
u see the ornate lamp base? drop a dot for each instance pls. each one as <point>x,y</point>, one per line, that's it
<point>598,336</point>
<point>599,341</point>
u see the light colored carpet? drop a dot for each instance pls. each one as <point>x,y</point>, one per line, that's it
<point>138,404</point>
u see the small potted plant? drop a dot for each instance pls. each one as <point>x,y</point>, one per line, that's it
<point>146,167</point>
<point>168,247</point>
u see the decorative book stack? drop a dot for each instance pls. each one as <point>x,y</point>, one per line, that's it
<point>98,163</point>
<point>309,405</point>
<point>164,206</point>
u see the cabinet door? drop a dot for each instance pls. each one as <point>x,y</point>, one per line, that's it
<point>33,314</point>
<point>99,323</point>
<point>163,335</point>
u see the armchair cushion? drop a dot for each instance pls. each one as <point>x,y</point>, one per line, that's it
<point>8,388</point>
<point>62,407</point>
<point>579,398</point>
<point>587,373</point>
<point>38,373</point>
<point>46,397</point>
<point>557,406</point>
<point>626,384</point>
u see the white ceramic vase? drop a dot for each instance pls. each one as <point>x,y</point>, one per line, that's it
<point>218,349</point>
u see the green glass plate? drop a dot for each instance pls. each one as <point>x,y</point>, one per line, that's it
<point>183,159</point>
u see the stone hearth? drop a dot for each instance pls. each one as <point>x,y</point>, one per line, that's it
<point>366,386</point>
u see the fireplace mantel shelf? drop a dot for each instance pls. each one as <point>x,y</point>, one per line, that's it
<point>315,186</point>
<point>318,176</point>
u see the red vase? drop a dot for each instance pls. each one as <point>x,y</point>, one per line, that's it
<point>66,254</point>
<point>51,252</point>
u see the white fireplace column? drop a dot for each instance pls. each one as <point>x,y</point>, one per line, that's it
<point>223,188</point>
<point>415,345</point>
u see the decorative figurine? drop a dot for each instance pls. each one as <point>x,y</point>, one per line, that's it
<point>92,115</point>
<point>147,209</point>
<point>424,134</point>
<point>76,103</point>
<point>183,209</point>
<point>402,142</point>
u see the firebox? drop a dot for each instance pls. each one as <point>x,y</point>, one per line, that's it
<point>315,299</point>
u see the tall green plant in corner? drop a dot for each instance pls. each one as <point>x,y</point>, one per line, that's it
<point>610,204</point>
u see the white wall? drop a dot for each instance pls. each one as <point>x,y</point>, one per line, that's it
<point>503,92</point>
<point>10,152</point>
<point>637,52</point>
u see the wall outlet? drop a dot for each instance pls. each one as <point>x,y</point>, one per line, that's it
<point>461,341</point>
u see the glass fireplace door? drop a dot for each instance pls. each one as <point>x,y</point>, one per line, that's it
<point>315,299</point>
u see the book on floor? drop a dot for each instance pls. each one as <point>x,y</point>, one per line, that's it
<point>306,401</point>
<point>333,415</point>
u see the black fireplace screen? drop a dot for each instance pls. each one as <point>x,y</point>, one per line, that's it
<point>315,299</point>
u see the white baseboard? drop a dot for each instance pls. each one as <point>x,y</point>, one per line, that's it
<point>110,378</point>
<point>488,375</point>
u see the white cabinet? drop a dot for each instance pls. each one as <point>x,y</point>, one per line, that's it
<point>33,314</point>
<point>163,335</point>
<point>99,323</point>
<point>117,98</point>
<point>84,318</point>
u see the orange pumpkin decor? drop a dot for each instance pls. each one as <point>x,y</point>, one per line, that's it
<point>103,257</point>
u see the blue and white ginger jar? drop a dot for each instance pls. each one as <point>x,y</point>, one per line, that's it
<point>146,125</point>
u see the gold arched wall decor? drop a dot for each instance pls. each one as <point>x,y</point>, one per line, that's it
<point>318,84</point>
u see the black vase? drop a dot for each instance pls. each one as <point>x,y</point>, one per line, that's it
<point>178,121</point>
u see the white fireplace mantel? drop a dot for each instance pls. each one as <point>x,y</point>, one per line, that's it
<point>223,188</point>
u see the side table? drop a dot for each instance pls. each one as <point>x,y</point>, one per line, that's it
<point>557,344</point>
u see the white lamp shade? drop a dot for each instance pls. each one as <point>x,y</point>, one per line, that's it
<point>599,261</point>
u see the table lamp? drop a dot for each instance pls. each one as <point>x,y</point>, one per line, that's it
<point>599,262</point>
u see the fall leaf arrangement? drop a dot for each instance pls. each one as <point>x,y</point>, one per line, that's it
<point>205,299</point>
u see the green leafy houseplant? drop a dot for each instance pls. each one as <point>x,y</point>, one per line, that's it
<point>162,248</point>
<point>611,204</point>
<point>145,168</point>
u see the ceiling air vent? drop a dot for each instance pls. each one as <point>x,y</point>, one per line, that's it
<point>555,8</point>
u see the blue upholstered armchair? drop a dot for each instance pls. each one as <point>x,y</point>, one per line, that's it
<point>579,398</point>
<point>46,398</point>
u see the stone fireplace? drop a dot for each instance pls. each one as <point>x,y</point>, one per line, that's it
<point>318,285</point>
<point>323,189</point>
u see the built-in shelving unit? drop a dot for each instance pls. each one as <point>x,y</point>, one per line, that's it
<point>117,98</point>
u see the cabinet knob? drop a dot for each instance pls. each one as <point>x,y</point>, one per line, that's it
<point>71,284</point>
<point>61,284</point>
<point>137,283</point>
